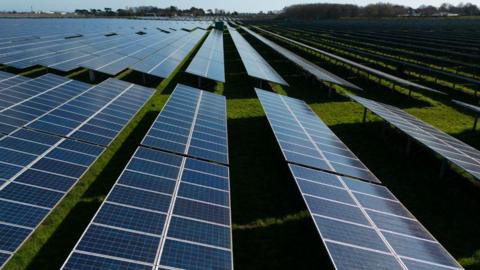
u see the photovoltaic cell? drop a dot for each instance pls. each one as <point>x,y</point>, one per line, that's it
<point>138,224</point>
<point>453,150</point>
<point>193,123</point>
<point>306,140</point>
<point>254,63</point>
<point>209,61</point>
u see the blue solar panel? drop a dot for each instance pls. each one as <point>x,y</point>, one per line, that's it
<point>36,170</point>
<point>209,61</point>
<point>95,115</point>
<point>254,63</point>
<point>165,61</point>
<point>25,111</point>
<point>155,216</point>
<point>193,123</point>
<point>306,140</point>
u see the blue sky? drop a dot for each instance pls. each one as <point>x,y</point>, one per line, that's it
<point>230,5</point>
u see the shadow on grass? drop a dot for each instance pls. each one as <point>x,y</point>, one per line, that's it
<point>56,249</point>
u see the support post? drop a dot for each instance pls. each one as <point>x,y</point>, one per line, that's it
<point>91,75</point>
<point>364,119</point>
<point>144,78</point>
<point>409,147</point>
<point>475,122</point>
<point>199,82</point>
<point>443,169</point>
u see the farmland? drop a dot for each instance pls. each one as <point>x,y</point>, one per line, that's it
<point>271,226</point>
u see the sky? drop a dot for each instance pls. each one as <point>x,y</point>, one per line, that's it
<point>228,5</point>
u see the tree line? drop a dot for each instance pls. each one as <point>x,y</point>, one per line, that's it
<point>333,11</point>
<point>141,11</point>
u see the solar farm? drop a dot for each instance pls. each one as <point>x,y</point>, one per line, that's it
<point>239,144</point>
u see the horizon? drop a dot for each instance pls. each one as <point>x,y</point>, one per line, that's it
<point>239,6</point>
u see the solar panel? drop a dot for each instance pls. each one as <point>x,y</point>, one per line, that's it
<point>387,76</point>
<point>164,211</point>
<point>363,225</point>
<point>471,107</point>
<point>97,115</point>
<point>209,61</point>
<point>453,150</point>
<point>193,123</point>
<point>318,72</point>
<point>254,63</point>
<point>164,62</point>
<point>36,171</point>
<point>306,140</point>
<point>35,98</point>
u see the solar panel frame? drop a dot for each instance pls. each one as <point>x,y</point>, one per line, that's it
<point>303,132</point>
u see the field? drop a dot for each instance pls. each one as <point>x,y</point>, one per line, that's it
<point>272,228</point>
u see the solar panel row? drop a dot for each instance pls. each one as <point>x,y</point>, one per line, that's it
<point>306,140</point>
<point>319,73</point>
<point>166,211</point>
<point>164,62</point>
<point>362,225</point>
<point>109,54</point>
<point>209,61</point>
<point>453,150</point>
<point>192,123</point>
<point>254,63</point>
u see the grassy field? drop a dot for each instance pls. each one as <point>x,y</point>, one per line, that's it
<point>271,227</point>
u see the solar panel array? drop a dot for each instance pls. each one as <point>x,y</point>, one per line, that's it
<point>318,72</point>
<point>366,68</point>
<point>36,171</point>
<point>254,63</point>
<point>166,211</point>
<point>362,225</point>
<point>52,130</point>
<point>110,54</point>
<point>306,140</point>
<point>209,61</point>
<point>453,150</point>
<point>192,123</point>
<point>95,116</point>
<point>165,61</point>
